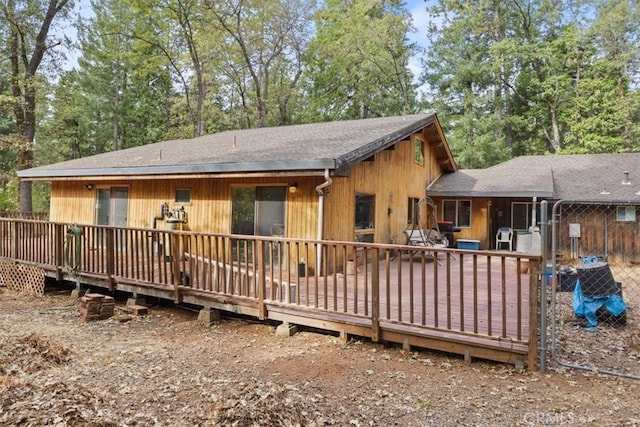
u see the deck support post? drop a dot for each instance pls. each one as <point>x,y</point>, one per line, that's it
<point>208,316</point>
<point>136,300</point>
<point>286,329</point>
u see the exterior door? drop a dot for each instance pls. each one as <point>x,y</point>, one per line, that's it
<point>112,206</point>
<point>111,209</point>
<point>270,205</point>
<point>259,211</point>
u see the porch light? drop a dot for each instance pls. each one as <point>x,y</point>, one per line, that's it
<point>293,188</point>
<point>88,186</point>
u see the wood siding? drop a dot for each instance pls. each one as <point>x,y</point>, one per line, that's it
<point>392,176</point>
<point>208,211</point>
<point>480,225</point>
<point>601,234</point>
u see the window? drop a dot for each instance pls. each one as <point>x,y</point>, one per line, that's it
<point>626,213</point>
<point>418,147</point>
<point>364,218</point>
<point>458,212</point>
<point>183,195</point>
<point>521,215</point>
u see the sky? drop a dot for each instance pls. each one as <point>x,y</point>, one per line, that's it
<point>418,10</point>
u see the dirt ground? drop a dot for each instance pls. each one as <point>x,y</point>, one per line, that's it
<point>166,369</point>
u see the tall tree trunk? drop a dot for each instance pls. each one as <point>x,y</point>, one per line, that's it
<point>23,76</point>
<point>555,127</point>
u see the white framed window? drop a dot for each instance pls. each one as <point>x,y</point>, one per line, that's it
<point>458,212</point>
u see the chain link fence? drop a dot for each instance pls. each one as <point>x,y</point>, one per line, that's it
<point>594,278</point>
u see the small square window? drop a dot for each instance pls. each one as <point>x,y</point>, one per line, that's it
<point>183,195</point>
<point>626,213</point>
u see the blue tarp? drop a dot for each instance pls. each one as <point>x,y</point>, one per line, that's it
<point>586,307</point>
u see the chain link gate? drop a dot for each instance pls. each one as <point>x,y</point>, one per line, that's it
<point>593,275</point>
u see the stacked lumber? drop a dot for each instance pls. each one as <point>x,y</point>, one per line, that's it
<point>96,307</point>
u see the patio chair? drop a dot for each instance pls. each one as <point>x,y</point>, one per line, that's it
<point>505,235</point>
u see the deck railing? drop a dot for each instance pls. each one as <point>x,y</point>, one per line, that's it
<point>40,216</point>
<point>479,300</point>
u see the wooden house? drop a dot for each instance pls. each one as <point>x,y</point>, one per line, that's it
<point>480,201</point>
<point>346,180</point>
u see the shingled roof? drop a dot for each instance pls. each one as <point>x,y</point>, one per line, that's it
<point>596,177</point>
<point>310,147</point>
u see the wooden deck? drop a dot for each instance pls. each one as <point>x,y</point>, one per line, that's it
<point>468,302</point>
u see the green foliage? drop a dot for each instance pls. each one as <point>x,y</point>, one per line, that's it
<point>358,61</point>
<point>512,78</point>
<point>9,194</point>
<point>506,78</point>
<point>263,49</point>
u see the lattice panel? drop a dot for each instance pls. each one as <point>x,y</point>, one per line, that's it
<point>22,278</point>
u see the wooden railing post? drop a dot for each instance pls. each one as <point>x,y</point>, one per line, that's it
<point>175,266</point>
<point>111,256</point>
<point>534,280</point>
<point>375,296</point>
<point>262,280</point>
<point>15,247</point>
<point>59,233</point>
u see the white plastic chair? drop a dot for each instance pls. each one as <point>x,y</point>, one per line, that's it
<point>505,235</point>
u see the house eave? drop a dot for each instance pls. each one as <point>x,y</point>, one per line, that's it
<point>489,193</point>
<point>197,169</point>
<point>345,162</point>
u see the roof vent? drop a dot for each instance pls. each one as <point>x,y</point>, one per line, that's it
<point>625,180</point>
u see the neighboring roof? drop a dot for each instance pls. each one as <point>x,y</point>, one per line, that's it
<point>310,147</point>
<point>558,177</point>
